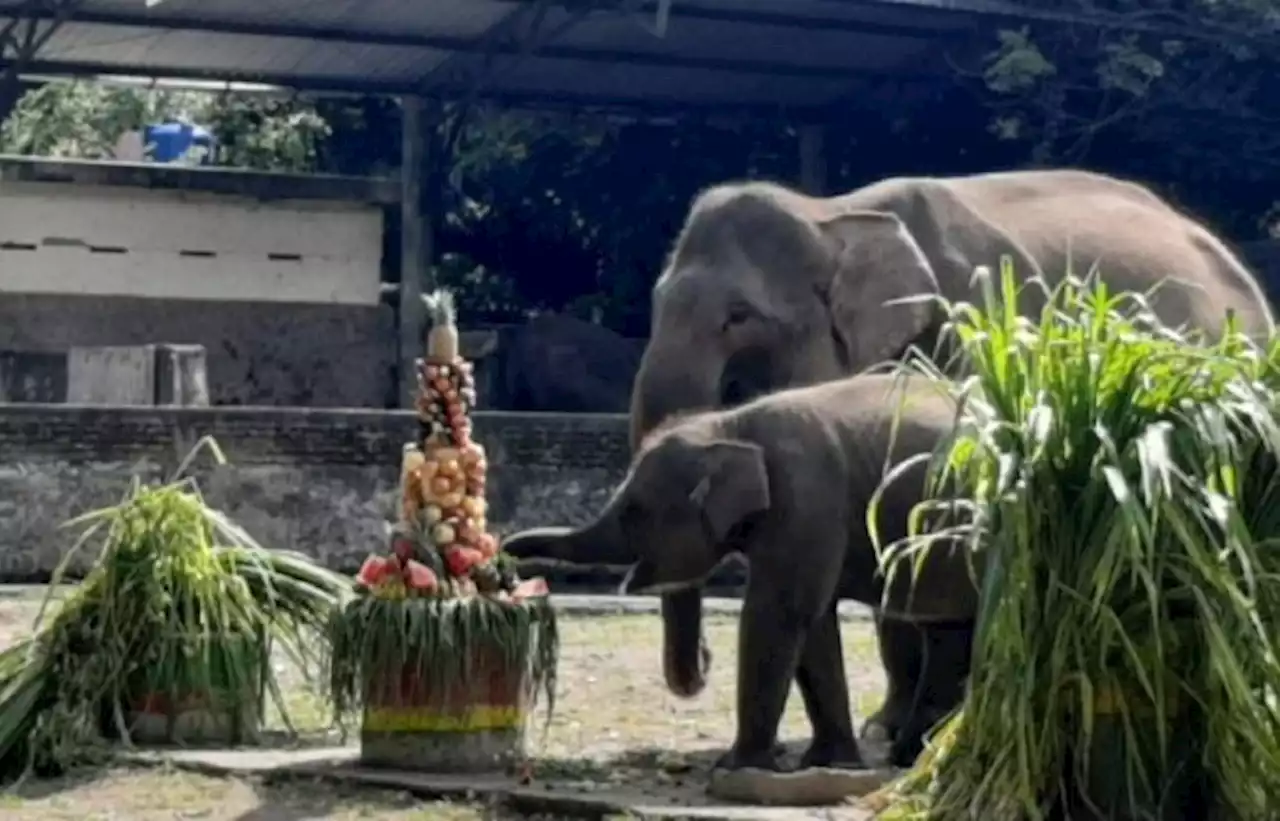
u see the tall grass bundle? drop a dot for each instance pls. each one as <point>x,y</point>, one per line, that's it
<point>1119,493</point>
<point>180,602</point>
<point>439,641</point>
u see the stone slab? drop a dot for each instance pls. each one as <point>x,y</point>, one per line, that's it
<point>182,375</point>
<point>557,797</point>
<point>111,375</point>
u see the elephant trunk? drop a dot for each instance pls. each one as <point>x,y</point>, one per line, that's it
<point>599,543</point>
<point>668,383</point>
<point>685,657</point>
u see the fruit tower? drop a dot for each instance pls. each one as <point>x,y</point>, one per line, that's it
<point>444,648</point>
<point>441,544</point>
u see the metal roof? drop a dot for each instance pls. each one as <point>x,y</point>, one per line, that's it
<point>626,53</point>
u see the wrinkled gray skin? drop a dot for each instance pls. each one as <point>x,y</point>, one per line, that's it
<point>785,479</point>
<point>767,288</point>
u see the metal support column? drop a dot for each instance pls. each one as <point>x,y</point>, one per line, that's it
<point>416,240</point>
<point>813,160</point>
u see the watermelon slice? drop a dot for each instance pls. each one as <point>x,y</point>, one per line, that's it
<point>418,576</point>
<point>375,571</point>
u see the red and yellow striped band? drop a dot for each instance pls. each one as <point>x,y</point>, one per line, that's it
<point>426,720</point>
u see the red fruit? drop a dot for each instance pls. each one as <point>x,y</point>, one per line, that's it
<point>403,548</point>
<point>488,544</point>
<point>418,576</point>
<point>375,570</point>
<point>461,559</point>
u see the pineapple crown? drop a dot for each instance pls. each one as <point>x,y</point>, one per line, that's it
<point>441,308</point>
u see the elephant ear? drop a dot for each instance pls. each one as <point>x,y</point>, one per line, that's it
<point>877,262</point>
<point>734,485</point>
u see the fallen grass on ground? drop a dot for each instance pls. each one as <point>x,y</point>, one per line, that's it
<point>615,722</point>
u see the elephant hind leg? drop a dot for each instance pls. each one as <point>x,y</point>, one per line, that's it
<point>825,690</point>
<point>946,650</point>
<point>902,650</point>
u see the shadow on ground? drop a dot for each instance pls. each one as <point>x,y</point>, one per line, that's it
<point>297,799</point>
<point>35,788</point>
<point>665,776</point>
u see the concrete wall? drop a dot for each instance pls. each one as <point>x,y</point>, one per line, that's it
<point>65,238</point>
<point>319,481</point>
<point>117,254</point>
<point>258,354</point>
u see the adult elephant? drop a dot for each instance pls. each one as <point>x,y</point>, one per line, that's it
<point>767,288</point>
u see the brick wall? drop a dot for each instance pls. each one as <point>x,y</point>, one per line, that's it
<point>316,480</point>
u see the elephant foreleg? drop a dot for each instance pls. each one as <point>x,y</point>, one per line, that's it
<point>769,647</point>
<point>825,689</point>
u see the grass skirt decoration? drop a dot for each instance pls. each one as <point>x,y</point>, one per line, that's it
<point>445,650</point>
<point>212,697</point>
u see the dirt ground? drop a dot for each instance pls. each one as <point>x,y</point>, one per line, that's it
<point>614,722</point>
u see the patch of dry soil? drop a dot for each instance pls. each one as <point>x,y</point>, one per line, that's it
<point>615,725</point>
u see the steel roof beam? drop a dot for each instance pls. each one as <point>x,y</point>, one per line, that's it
<point>476,46</point>
<point>651,105</point>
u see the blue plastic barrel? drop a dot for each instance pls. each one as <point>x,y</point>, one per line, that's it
<point>169,141</point>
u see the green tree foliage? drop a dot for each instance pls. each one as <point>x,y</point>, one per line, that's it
<point>85,120</point>
<point>1180,92</point>
<point>578,212</point>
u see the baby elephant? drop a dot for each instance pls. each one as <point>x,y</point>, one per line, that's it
<point>786,480</point>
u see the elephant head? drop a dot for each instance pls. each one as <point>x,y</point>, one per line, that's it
<point>767,289</point>
<point>673,519</point>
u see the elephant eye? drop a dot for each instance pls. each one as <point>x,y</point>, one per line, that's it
<point>738,314</point>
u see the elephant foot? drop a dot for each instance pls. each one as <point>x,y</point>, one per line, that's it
<point>874,742</point>
<point>769,760</point>
<point>905,749</point>
<point>877,730</point>
<point>907,745</point>
<point>839,755</point>
<point>884,724</point>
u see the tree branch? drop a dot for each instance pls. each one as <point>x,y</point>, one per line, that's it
<point>16,52</point>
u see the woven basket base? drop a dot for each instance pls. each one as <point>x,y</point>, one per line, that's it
<point>479,751</point>
<point>194,727</point>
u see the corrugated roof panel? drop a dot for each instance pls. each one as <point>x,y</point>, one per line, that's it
<point>774,54</point>
<point>596,80</point>
<point>691,38</point>
<point>131,47</point>
<point>939,10</point>
<point>457,18</point>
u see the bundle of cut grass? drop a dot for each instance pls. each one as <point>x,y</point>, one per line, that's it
<point>1122,503</point>
<point>180,605</point>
